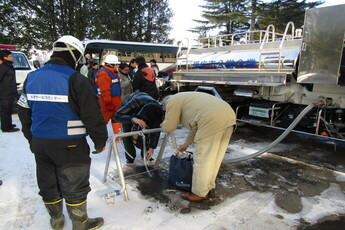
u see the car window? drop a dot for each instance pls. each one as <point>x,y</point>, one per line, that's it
<point>20,61</point>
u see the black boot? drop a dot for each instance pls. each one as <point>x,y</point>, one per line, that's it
<point>54,209</point>
<point>78,214</point>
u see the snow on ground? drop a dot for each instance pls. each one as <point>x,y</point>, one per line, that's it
<point>22,208</point>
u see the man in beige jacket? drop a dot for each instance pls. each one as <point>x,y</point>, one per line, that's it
<point>211,122</point>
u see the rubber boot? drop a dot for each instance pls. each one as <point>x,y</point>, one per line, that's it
<point>78,214</point>
<point>57,219</point>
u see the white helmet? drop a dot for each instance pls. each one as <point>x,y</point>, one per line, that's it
<point>112,59</point>
<point>72,43</point>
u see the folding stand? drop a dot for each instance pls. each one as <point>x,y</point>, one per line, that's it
<point>113,147</point>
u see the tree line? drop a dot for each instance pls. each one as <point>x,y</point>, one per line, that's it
<point>39,23</point>
<point>231,16</point>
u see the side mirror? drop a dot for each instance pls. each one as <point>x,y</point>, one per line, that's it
<point>37,64</point>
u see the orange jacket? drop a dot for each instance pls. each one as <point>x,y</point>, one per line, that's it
<point>104,82</point>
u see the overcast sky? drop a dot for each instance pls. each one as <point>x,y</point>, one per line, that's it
<point>187,10</point>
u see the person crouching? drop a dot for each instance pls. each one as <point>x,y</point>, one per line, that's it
<point>140,109</point>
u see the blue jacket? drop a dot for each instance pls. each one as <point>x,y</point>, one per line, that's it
<point>53,117</point>
<point>115,88</point>
<point>81,101</point>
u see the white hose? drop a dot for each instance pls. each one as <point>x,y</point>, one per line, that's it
<point>278,140</point>
<point>142,134</point>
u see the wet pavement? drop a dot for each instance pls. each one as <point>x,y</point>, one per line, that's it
<point>299,167</point>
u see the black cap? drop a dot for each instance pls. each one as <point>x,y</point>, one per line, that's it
<point>4,53</point>
<point>152,114</point>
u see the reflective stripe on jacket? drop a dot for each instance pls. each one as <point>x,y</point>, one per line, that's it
<point>47,92</point>
<point>115,88</point>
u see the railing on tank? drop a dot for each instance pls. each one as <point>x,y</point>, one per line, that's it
<point>179,53</point>
<point>278,53</point>
<point>286,36</point>
<point>265,40</point>
<point>247,37</point>
<point>261,37</point>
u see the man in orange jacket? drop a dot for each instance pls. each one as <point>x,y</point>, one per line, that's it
<point>109,89</point>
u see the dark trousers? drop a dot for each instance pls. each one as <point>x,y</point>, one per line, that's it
<point>128,143</point>
<point>6,114</point>
<point>62,168</point>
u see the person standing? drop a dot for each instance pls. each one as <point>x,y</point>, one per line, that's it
<point>132,68</point>
<point>211,122</point>
<point>8,91</point>
<point>125,80</point>
<point>84,70</point>
<point>108,83</point>
<point>58,109</point>
<point>93,70</point>
<point>141,109</point>
<point>92,75</point>
<point>144,79</point>
<point>154,66</point>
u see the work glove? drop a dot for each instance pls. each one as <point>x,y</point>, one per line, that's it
<point>110,106</point>
<point>98,150</point>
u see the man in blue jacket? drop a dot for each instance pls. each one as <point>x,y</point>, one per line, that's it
<point>58,109</point>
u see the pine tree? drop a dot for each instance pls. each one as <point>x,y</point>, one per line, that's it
<point>227,15</point>
<point>40,22</point>
<point>236,15</point>
<point>280,12</point>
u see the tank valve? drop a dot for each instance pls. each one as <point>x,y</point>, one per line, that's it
<point>322,102</point>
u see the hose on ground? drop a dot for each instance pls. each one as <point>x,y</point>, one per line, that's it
<point>278,140</point>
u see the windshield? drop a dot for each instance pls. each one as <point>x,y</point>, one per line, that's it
<point>20,61</point>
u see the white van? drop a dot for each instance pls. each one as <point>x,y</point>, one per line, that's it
<point>22,66</point>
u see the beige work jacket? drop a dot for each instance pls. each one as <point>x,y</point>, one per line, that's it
<point>201,113</point>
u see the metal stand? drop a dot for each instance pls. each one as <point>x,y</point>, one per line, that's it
<point>113,148</point>
<point>163,145</point>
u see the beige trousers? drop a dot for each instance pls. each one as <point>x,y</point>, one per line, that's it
<point>209,153</point>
